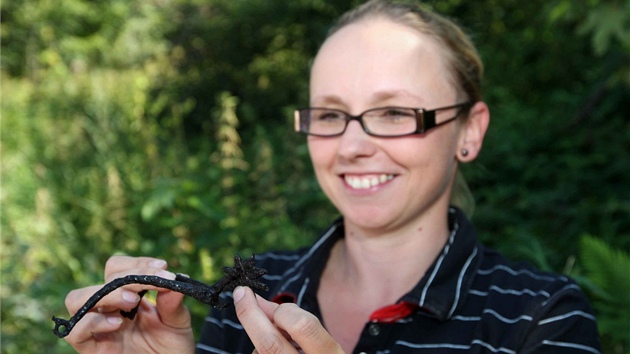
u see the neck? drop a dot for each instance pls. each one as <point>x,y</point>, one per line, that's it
<point>367,270</point>
<point>386,266</point>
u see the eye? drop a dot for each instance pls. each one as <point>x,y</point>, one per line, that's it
<point>393,115</point>
<point>327,115</point>
<point>396,112</point>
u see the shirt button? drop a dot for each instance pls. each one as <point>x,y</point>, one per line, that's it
<point>374,329</point>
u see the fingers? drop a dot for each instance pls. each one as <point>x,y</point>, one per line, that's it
<point>170,306</point>
<point>93,324</point>
<point>119,266</point>
<point>305,329</point>
<point>263,333</point>
<point>106,316</point>
<point>124,298</point>
<point>158,324</point>
<point>267,322</point>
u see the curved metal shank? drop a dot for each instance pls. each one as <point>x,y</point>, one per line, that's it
<point>244,273</point>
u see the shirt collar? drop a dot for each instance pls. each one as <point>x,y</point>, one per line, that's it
<point>446,283</point>
<point>299,283</point>
<point>439,293</point>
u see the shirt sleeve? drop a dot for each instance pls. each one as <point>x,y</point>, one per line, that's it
<point>565,324</point>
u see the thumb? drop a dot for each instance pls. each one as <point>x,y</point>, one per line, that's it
<point>173,313</point>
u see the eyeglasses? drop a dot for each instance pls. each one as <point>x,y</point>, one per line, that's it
<point>382,122</point>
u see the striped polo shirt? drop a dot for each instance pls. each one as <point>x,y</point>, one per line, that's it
<point>471,300</point>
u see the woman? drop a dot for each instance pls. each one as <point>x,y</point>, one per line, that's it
<point>401,271</point>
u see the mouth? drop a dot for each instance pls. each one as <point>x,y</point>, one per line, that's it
<point>367,181</point>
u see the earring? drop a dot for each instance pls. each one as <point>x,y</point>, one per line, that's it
<point>464,152</point>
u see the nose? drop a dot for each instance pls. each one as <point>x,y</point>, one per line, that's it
<point>355,142</point>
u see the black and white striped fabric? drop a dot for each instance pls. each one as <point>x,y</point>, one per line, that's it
<point>472,300</point>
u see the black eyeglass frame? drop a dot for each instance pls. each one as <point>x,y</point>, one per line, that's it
<point>425,119</point>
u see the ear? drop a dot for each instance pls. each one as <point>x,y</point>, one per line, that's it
<point>472,132</point>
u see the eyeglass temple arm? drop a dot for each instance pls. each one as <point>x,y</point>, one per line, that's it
<point>297,122</point>
<point>426,119</point>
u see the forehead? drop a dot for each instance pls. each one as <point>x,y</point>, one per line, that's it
<point>367,58</point>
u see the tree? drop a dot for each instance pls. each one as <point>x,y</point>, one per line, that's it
<point>164,128</point>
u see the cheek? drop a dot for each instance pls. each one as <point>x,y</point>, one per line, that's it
<point>411,150</point>
<point>321,152</point>
<point>425,155</point>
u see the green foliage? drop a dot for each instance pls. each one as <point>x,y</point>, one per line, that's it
<point>163,129</point>
<point>608,274</point>
<point>607,23</point>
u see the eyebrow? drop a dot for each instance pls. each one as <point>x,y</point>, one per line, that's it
<point>385,95</point>
<point>330,99</point>
<point>379,96</point>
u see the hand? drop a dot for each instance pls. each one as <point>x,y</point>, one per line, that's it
<point>161,328</point>
<point>285,328</point>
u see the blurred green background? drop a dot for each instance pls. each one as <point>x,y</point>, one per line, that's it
<point>163,128</point>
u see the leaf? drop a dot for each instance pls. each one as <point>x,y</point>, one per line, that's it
<point>606,23</point>
<point>162,198</point>
<point>609,269</point>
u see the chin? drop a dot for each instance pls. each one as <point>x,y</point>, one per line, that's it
<point>369,220</point>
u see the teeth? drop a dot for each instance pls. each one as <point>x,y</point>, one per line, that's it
<point>367,182</point>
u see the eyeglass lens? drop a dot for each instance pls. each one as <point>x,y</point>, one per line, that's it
<point>389,121</point>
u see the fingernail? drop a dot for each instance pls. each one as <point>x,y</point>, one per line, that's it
<point>238,293</point>
<point>158,263</point>
<point>115,320</point>
<point>166,274</point>
<point>130,296</point>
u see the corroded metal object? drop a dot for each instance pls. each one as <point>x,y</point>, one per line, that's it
<point>244,273</point>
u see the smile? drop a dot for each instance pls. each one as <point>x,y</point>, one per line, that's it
<point>366,182</point>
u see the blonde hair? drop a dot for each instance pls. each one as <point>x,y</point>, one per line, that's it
<point>462,57</point>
